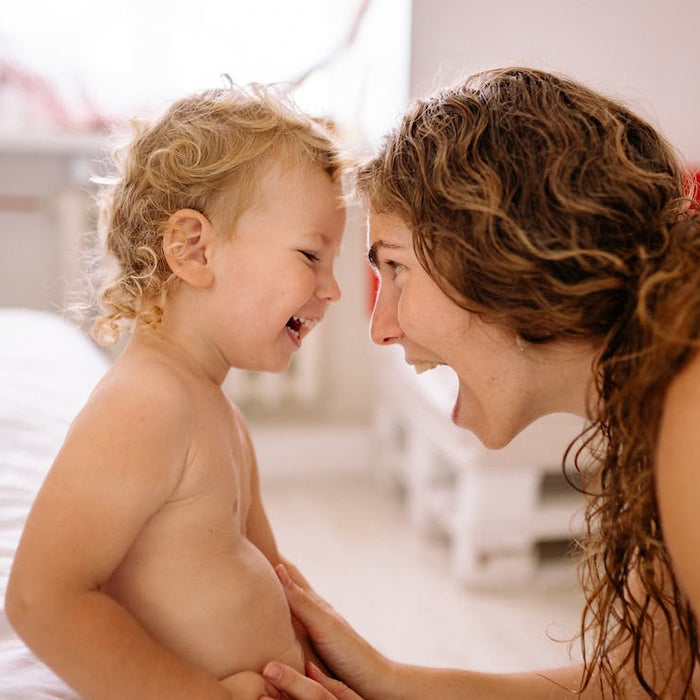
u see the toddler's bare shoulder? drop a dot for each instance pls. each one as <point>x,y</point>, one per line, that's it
<point>151,391</point>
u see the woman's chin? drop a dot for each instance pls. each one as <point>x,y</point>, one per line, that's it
<point>490,439</point>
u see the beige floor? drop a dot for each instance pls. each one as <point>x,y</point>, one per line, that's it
<point>351,539</point>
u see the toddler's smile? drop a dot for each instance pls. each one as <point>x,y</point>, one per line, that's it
<point>298,325</point>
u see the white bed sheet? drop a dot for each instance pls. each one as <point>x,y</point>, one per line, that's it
<point>47,370</point>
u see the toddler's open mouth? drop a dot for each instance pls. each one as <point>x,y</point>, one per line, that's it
<point>299,326</point>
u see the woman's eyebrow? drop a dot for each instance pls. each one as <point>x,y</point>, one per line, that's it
<point>376,246</point>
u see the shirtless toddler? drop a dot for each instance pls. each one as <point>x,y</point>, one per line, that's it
<point>145,569</point>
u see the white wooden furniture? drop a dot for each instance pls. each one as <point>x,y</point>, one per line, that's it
<point>45,207</point>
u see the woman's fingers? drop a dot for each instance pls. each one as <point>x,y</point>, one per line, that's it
<point>294,684</point>
<point>296,575</point>
<point>306,605</point>
<point>337,688</point>
<point>316,687</point>
<point>335,642</point>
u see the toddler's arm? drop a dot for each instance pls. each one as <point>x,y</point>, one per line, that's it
<point>120,461</point>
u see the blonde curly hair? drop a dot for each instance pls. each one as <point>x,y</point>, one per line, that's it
<point>557,212</point>
<point>207,153</point>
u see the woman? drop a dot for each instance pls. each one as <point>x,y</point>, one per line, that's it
<point>536,237</point>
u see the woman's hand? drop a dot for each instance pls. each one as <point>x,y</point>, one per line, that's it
<point>248,685</point>
<point>343,651</point>
<point>317,686</point>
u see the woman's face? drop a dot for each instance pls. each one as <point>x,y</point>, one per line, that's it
<point>502,388</point>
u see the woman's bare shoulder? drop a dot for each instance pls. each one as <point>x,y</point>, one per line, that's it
<point>677,476</point>
<point>684,390</point>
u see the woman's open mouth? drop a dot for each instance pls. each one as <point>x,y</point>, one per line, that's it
<point>426,365</point>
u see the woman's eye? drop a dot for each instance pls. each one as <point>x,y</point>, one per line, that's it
<point>395,267</point>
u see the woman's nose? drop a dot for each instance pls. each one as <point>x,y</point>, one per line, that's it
<point>384,326</point>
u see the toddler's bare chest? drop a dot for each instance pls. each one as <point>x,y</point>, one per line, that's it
<point>199,530</point>
<point>217,472</point>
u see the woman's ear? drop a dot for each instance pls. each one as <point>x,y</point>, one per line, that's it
<point>186,245</point>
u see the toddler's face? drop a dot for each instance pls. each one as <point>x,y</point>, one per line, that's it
<point>275,273</point>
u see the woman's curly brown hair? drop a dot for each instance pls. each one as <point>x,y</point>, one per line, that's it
<point>207,153</point>
<point>557,212</point>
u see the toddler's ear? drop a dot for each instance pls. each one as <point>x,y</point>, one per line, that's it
<point>186,244</point>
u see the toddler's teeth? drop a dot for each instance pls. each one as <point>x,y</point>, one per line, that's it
<point>421,367</point>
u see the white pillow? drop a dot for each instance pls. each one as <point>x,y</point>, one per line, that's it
<point>47,370</point>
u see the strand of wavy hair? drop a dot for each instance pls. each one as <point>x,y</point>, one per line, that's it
<point>627,572</point>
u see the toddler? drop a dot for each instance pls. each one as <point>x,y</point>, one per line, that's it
<point>146,564</point>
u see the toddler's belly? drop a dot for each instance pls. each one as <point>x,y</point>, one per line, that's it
<point>225,613</point>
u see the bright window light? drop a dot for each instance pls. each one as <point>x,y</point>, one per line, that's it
<point>80,66</point>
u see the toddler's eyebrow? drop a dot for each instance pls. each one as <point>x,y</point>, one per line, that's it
<point>323,238</point>
<point>372,252</point>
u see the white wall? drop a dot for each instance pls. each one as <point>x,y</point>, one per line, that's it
<point>44,210</point>
<point>646,52</point>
